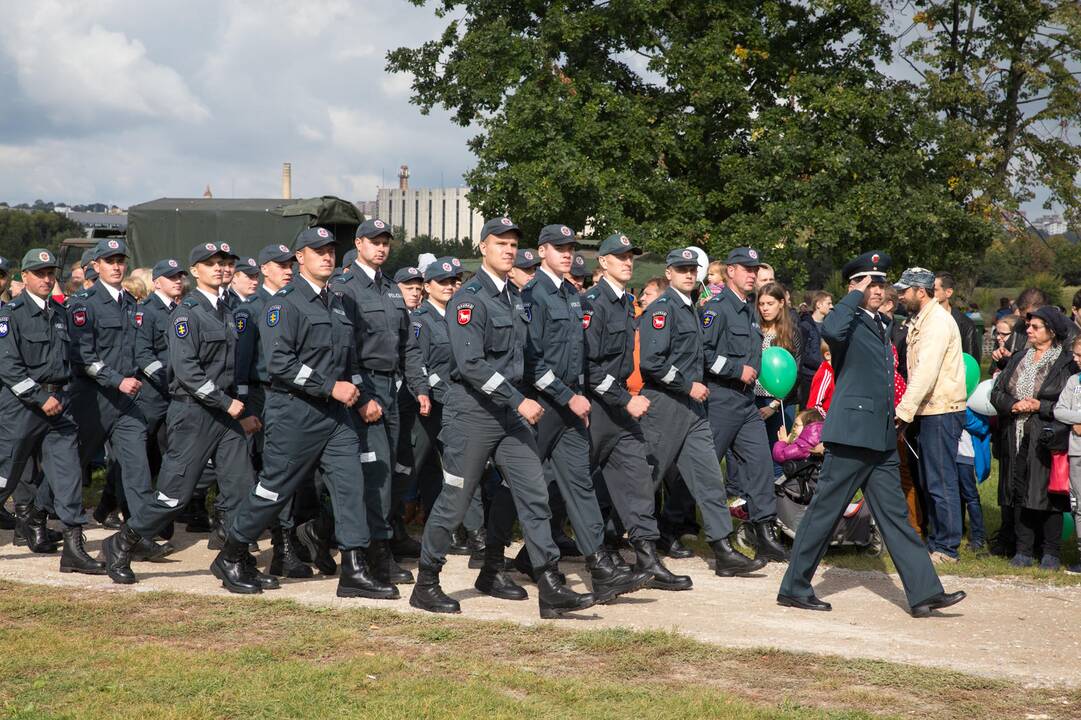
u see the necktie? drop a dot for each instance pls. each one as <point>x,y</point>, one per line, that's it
<point>378,279</point>
<point>323,297</point>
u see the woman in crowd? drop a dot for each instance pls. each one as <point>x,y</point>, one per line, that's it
<point>1025,394</point>
<point>778,330</point>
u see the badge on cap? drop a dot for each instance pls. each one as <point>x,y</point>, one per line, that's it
<point>455,262</point>
<point>43,256</point>
<point>114,244</point>
<point>586,318</point>
<point>579,261</point>
<point>752,253</point>
<point>283,248</point>
<point>447,267</point>
<point>241,321</point>
<point>624,240</point>
<point>138,319</point>
<point>79,318</point>
<point>379,224</point>
<point>251,262</point>
<point>322,232</point>
<point>659,319</point>
<point>4,328</point>
<point>225,247</point>
<point>876,258</point>
<point>506,221</point>
<point>527,255</point>
<point>687,254</point>
<point>465,313</point>
<point>273,315</point>
<point>413,271</point>
<point>172,264</point>
<point>566,231</point>
<point>181,327</point>
<point>210,247</point>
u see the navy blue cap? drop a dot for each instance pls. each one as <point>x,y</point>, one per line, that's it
<point>87,258</point>
<point>248,266</point>
<point>108,247</point>
<point>443,268</point>
<point>5,265</point>
<point>276,253</point>
<point>37,259</point>
<point>745,256</point>
<point>579,266</point>
<point>373,228</point>
<point>313,237</point>
<point>408,274</point>
<point>618,243</point>
<point>498,226</point>
<point>556,235</point>
<point>681,257</point>
<point>349,258</point>
<point>199,253</point>
<point>167,268</point>
<point>526,258</point>
<point>227,251</point>
<point>874,263</point>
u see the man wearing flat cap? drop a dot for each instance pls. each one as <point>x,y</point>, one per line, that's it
<point>861,450</point>
<point>936,396</point>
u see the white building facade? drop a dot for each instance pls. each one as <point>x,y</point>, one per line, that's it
<point>443,213</point>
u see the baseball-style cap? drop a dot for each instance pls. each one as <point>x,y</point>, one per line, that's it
<point>373,228</point>
<point>498,226</point>
<point>227,250</point>
<point>248,266</point>
<point>109,247</point>
<point>314,237</point>
<point>916,277</point>
<point>167,268</point>
<point>681,257</point>
<point>5,265</point>
<point>84,262</point>
<point>579,266</point>
<point>443,268</point>
<point>36,259</point>
<point>349,258</point>
<point>618,243</point>
<point>408,274</point>
<point>556,235</point>
<point>199,253</point>
<point>276,253</point>
<point>745,256</point>
<point>874,263</point>
<point>526,258</point>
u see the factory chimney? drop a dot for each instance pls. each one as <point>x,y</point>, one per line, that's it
<point>287,181</point>
<point>403,177</point>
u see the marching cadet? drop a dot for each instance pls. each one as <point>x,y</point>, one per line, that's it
<point>105,386</point>
<point>276,265</point>
<point>861,450</point>
<point>676,428</point>
<point>378,315</point>
<point>34,370</point>
<point>202,418</point>
<point>733,358</point>
<point>314,383</point>
<point>526,262</point>
<point>618,448</point>
<point>487,416</point>
<point>555,366</point>
<point>24,494</point>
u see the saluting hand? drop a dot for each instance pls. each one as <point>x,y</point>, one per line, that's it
<point>52,406</point>
<point>531,411</point>
<point>638,406</point>
<point>345,392</point>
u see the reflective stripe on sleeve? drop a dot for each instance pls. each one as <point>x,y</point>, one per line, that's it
<point>605,384</point>
<point>545,380</point>
<point>303,375</point>
<point>718,364</point>
<point>94,368</point>
<point>153,367</point>
<point>433,380</point>
<point>493,382</point>
<point>20,387</point>
<point>670,375</point>
<point>204,391</point>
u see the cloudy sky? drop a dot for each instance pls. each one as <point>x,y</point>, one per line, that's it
<point>122,101</point>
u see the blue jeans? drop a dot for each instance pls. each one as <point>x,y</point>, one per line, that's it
<point>970,503</point>
<point>939,435</point>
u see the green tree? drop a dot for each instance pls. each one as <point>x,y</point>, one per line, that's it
<point>681,121</point>
<point>20,231</point>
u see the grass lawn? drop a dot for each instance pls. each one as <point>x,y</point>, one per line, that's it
<point>157,655</point>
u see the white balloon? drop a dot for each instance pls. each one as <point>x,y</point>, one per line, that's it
<point>703,262</point>
<point>980,399</point>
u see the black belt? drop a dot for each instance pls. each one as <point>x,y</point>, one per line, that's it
<point>300,395</point>
<point>384,373</point>
<point>737,385</point>
<point>53,387</point>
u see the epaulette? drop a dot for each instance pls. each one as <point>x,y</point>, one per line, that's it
<point>284,291</point>
<point>15,304</point>
<point>661,299</point>
<point>593,293</point>
<point>420,311</point>
<point>472,286</point>
<point>83,294</point>
<point>190,302</point>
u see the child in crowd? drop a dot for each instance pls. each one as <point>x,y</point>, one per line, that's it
<point>973,467</point>
<point>804,440</point>
<point>822,384</point>
<point>1068,410</point>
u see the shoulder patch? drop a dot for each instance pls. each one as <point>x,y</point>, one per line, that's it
<point>180,326</point>
<point>465,313</point>
<point>587,317</point>
<point>659,320</point>
<point>416,329</point>
<point>273,315</point>
<point>240,318</point>
<point>527,308</point>
<point>5,327</point>
<point>707,318</point>
<point>78,317</point>
<point>139,319</point>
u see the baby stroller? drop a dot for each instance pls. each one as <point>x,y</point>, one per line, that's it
<point>796,487</point>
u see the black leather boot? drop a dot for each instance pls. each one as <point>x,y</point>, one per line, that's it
<point>196,515</point>
<point>284,561</point>
<point>427,595</point>
<point>383,566</point>
<point>493,579</point>
<point>646,560</point>
<point>673,547</point>
<point>150,551</point>
<point>313,547</point>
<point>116,554</point>
<point>555,598</point>
<point>401,544</point>
<point>74,557</point>
<point>459,542</point>
<point>267,582</point>
<point>767,546</point>
<point>357,580</point>
<point>608,581</point>
<point>217,538</point>
<point>567,547</point>
<point>524,565</point>
<point>7,520</point>
<point>31,525</point>
<point>730,562</point>
<point>233,568</point>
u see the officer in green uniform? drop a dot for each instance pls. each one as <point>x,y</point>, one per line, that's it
<point>861,450</point>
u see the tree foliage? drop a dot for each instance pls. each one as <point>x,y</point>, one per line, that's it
<point>20,231</point>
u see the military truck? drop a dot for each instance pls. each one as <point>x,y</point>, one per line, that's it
<point>171,227</point>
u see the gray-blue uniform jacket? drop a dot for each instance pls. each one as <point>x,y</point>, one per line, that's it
<point>152,328</point>
<point>34,350</point>
<point>555,350</point>
<point>487,331</point>
<point>861,412</point>
<point>670,344</point>
<point>103,336</point>
<point>380,321</point>
<point>202,352</point>
<point>427,355</point>
<point>731,338</point>
<point>610,325</point>
<point>250,357</point>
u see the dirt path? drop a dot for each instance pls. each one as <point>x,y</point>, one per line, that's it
<point>1005,629</point>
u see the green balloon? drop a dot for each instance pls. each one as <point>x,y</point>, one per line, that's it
<point>972,373</point>
<point>778,375</point>
<point>1067,526</point>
